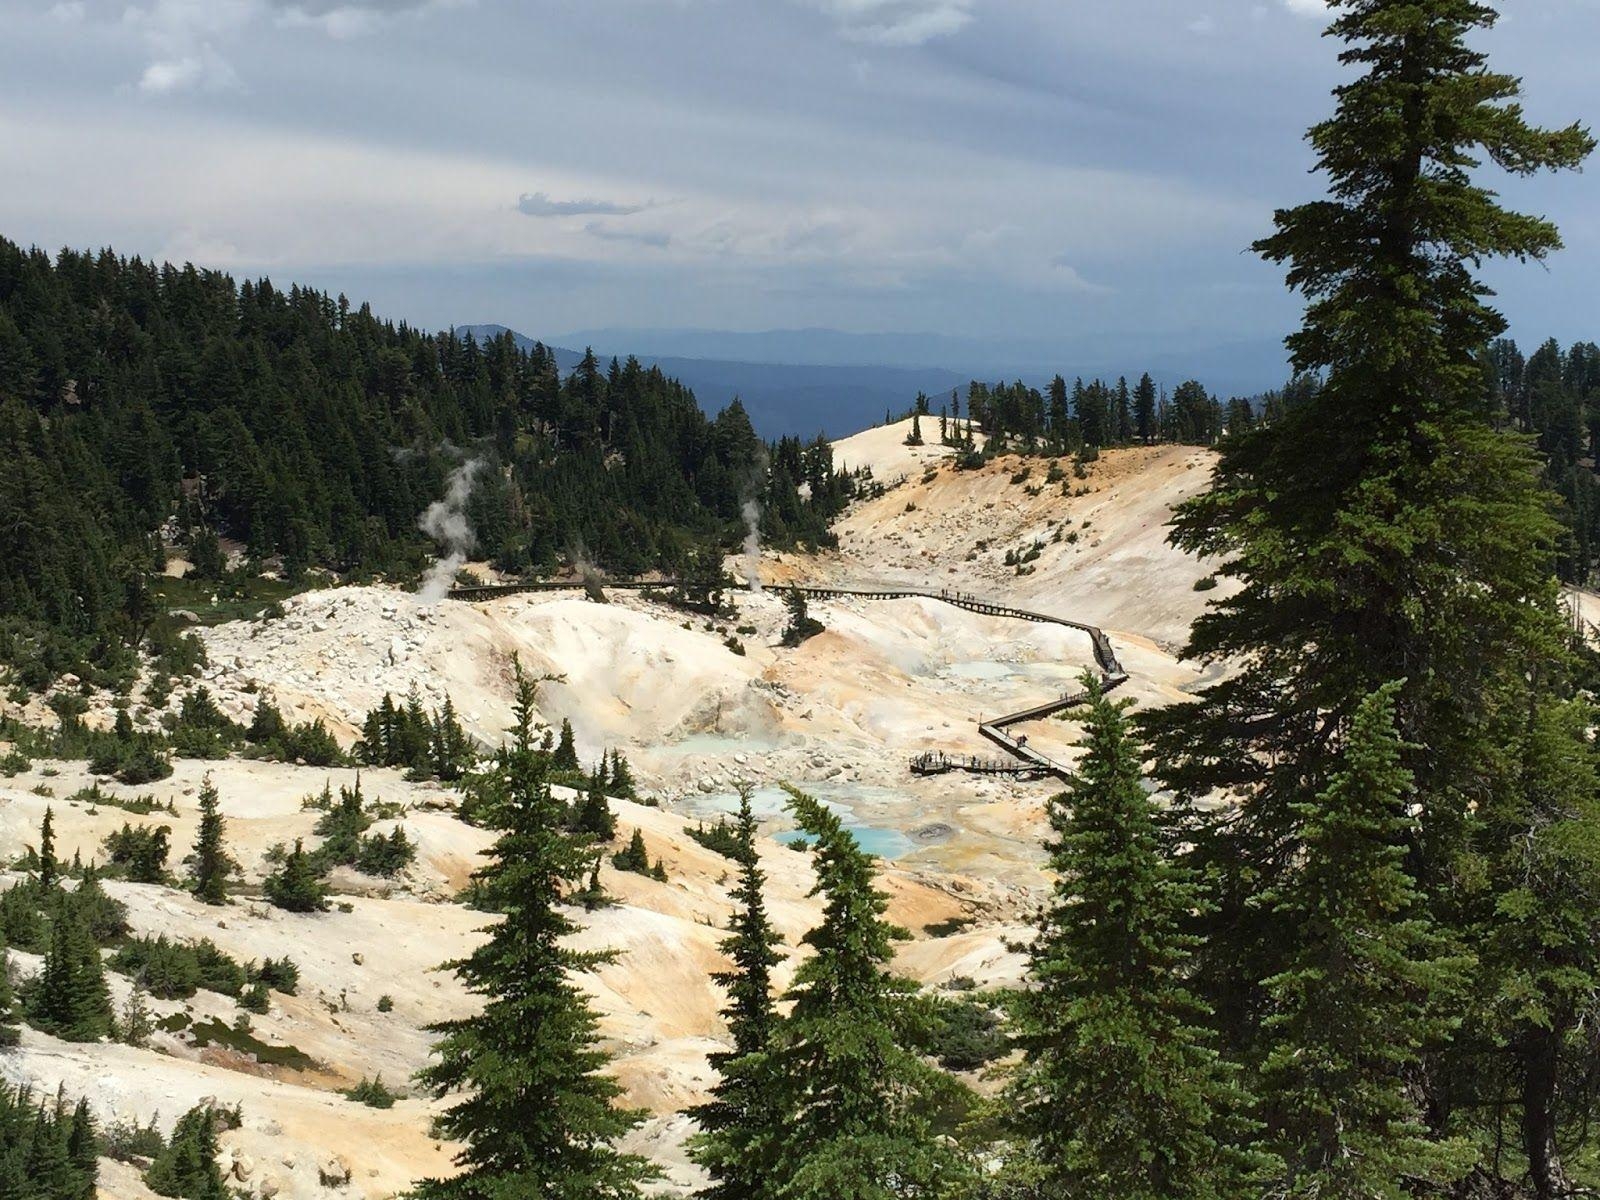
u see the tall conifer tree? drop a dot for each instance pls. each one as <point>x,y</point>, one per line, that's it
<point>740,1124</point>
<point>1120,1091</point>
<point>1368,978</point>
<point>535,1113</point>
<point>69,998</point>
<point>857,1100</point>
<point>210,865</point>
<point>1380,527</point>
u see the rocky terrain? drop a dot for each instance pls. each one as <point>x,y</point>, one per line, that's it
<point>698,707</point>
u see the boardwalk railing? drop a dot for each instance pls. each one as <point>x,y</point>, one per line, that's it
<point>1029,761</point>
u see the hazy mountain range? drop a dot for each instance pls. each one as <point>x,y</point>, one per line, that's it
<point>810,381</point>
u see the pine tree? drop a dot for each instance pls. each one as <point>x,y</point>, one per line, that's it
<point>535,1113</point>
<point>1379,526</point>
<point>49,869</point>
<point>297,885</point>
<point>1110,1031</point>
<point>594,817</point>
<point>210,865</point>
<point>621,783</point>
<point>1144,409</point>
<point>566,755</point>
<point>188,1168</point>
<point>69,999</point>
<point>1368,978</point>
<point>740,1125</point>
<point>854,1099</point>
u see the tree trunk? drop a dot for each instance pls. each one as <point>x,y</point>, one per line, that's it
<point>1540,1065</point>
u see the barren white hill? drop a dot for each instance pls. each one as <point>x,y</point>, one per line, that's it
<point>841,715</point>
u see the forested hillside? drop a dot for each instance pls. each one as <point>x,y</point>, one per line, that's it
<point>1555,395</point>
<point>140,399</point>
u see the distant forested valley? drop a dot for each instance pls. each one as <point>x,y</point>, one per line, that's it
<point>147,405</point>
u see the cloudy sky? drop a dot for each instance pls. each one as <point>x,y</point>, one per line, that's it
<point>1084,170</point>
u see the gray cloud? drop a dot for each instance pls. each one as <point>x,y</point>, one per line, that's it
<point>897,22</point>
<point>540,204</point>
<point>940,165</point>
<point>654,238</point>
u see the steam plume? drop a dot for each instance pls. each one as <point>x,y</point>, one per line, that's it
<point>752,544</point>
<point>445,522</point>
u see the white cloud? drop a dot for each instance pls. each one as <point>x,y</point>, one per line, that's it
<point>897,22</point>
<point>1307,8</point>
<point>540,204</point>
<point>188,42</point>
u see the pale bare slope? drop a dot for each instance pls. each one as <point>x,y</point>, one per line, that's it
<point>840,715</point>
<point>1111,566</point>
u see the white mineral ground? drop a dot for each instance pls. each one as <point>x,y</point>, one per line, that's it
<point>843,714</point>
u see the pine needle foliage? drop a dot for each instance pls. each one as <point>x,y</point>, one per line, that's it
<point>1369,984</point>
<point>856,1099</point>
<point>740,1124</point>
<point>1109,1028</point>
<point>1383,527</point>
<point>533,1109</point>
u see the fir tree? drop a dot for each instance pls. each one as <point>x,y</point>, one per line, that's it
<point>210,865</point>
<point>297,885</point>
<point>854,1099</point>
<point>1536,927</point>
<point>1379,525</point>
<point>535,1113</point>
<point>566,753</point>
<point>187,1167</point>
<point>83,1150</point>
<point>740,1125</point>
<point>8,1000</point>
<point>621,782</point>
<point>267,725</point>
<point>49,868</point>
<point>1144,409</point>
<point>594,817</point>
<point>69,999</point>
<point>1362,994</point>
<point>802,625</point>
<point>1110,1031</point>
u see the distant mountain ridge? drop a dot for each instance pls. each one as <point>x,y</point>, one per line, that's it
<point>781,398</point>
<point>1241,367</point>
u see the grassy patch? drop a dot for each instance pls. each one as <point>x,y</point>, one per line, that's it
<point>215,1033</point>
<point>234,600</point>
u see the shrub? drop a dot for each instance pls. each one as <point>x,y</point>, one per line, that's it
<point>966,1035</point>
<point>386,856</point>
<point>127,1141</point>
<point>722,838</point>
<point>373,1093</point>
<point>297,885</point>
<point>139,852</point>
<point>255,998</point>
<point>174,971</point>
<point>279,974</point>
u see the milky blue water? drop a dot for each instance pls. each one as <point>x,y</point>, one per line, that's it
<point>772,804</point>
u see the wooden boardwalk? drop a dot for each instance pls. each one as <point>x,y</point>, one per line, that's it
<point>1026,762</point>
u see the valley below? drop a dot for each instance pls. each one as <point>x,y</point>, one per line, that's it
<point>700,707</point>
